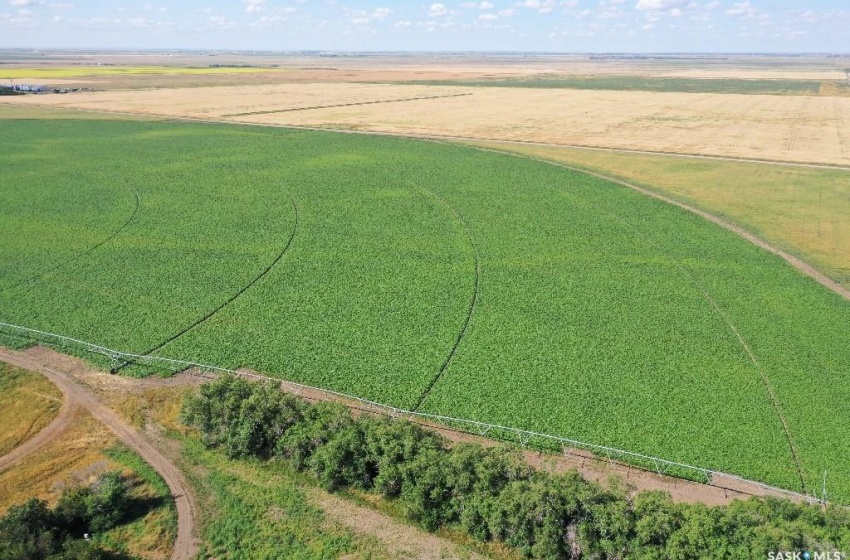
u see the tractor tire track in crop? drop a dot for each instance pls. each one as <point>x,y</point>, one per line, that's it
<point>472,302</point>
<point>224,304</point>
<point>39,275</point>
<point>774,399</point>
<point>768,386</point>
<point>843,137</point>
<point>730,325</point>
<point>791,141</point>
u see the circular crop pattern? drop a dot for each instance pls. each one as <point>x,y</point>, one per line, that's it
<point>464,283</point>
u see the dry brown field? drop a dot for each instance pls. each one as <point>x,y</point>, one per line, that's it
<point>275,68</point>
<point>809,129</point>
<point>28,403</point>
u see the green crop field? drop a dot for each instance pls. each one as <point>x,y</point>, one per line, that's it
<point>466,283</point>
<point>802,210</point>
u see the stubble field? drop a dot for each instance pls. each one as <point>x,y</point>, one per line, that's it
<point>810,129</point>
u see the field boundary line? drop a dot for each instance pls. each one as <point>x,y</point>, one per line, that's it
<point>164,117</point>
<point>506,433</point>
<point>799,264</point>
<point>472,303</point>
<point>354,104</point>
<point>39,275</point>
<point>230,300</point>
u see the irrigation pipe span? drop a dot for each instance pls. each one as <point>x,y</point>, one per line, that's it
<point>524,437</point>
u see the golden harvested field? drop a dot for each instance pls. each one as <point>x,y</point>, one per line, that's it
<point>803,129</point>
<point>28,402</point>
<point>783,128</point>
<point>803,211</point>
<point>218,102</point>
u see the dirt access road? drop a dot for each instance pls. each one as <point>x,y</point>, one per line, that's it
<point>74,376</point>
<point>76,395</point>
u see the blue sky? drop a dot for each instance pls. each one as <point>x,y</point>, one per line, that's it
<point>513,25</point>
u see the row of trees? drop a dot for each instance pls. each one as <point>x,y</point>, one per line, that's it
<point>33,531</point>
<point>490,493</point>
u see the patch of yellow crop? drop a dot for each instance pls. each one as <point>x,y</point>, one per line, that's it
<point>58,72</point>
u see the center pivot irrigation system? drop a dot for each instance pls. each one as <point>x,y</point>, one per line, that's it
<point>526,438</point>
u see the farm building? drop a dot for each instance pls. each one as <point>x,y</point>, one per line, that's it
<point>29,88</point>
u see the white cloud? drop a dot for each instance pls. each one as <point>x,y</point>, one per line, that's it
<point>488,17</point>
<point>742,9</point>
<point>253,6</point>
<point>659,4</point>
<point>437,10</point>
<point>486,5</point>
<point>544,6</point>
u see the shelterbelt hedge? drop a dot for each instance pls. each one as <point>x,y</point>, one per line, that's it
<point>489,493</point>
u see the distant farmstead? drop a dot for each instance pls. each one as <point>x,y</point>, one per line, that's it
<point>29,88</point>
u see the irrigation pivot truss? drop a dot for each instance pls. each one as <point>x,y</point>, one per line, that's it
<point>526,438</point>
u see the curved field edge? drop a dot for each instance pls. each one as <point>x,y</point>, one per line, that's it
<point>801,211</point>
<point>583,328</point>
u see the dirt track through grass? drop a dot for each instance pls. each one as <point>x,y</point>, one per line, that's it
<point>76,395</point>
<point>41,438</point>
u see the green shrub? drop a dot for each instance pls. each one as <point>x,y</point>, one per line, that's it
<point>490,493</point>
<point>32,531</point>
